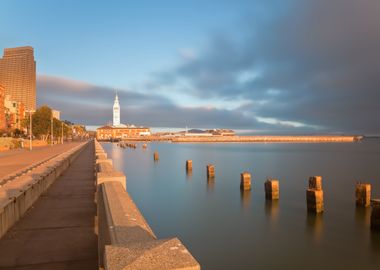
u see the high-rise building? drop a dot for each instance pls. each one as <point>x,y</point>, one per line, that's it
<point>2,108</point>
<point>18,75</point>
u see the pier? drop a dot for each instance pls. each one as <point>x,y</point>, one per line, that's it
<point>247,139</point>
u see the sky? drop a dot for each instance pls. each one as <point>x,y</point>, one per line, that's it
<point>272,66</point>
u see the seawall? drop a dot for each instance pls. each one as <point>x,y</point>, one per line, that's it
<point>125,239</point>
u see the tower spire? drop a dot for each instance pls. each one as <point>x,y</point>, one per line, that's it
<point>116,111</point>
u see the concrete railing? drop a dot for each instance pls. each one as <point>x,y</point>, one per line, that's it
<point>19,194</point>
<point>125,240</point>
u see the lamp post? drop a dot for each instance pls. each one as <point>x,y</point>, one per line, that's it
<point>30,129</point>
<point>62,132</point>
<point>51,129</point>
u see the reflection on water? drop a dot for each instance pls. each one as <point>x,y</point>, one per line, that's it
<point>189,174</point>
<point>272,210</point>
<point>245,196</point>
<point>314,225</point>
<point>210,184</point>
<point>363,216</point>
<point>375,243</point>
<point>208,217</point>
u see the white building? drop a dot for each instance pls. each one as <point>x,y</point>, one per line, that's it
<point>116,112</point>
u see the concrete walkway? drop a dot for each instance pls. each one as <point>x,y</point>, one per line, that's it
<point>13,160</point>
<point>58,232</point>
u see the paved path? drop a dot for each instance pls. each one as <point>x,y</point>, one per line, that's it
<point>58,232</point>
<point>13,160</point>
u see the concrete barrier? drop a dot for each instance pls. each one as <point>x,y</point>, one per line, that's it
<point>245,181</point>
<point>125,240</point>
<point>272,189</point>
<point>20,193</point>
<point>156,156</point>
<point>210,171</point>
<point>189,166</point>
<point>363,194</point>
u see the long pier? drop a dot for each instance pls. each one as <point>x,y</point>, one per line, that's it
<point>248,139</point>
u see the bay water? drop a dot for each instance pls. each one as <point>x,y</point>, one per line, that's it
<point>226,229</point>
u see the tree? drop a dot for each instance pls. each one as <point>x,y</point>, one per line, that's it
<point>41,125</point>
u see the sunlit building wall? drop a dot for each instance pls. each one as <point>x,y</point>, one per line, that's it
<point>2,108</point>
<point>18,75</point>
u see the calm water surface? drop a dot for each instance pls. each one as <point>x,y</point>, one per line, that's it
<point>226,229</point>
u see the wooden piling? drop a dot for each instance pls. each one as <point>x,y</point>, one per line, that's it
<point>375,218</point>
<point>245,181</point>
<point>210,171</point>
<point>272,189</point>
<point>189,165</point>
<point>314,199</point>
<point>315,182</point>
<point>363,195</point>
<point>156,157</point>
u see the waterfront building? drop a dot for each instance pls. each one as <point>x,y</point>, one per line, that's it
<point>119,131</point>
<point>2,108</point>
<point>14,113</point>
<point>18,75</point>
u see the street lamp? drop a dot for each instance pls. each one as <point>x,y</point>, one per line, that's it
<point>51,129</point>
<point>30,129</point>
<point>62,133</point>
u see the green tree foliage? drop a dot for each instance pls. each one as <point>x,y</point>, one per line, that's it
<point>41,124</point>
<point>41,121</point>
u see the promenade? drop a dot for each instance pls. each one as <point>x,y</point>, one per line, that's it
<point>13,160</point>
<point>58,232</point>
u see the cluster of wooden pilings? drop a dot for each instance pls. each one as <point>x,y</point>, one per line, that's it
<point>314,192</point>
<point>363,199</point>
<point>127,145</point>
<point>131,145</point>
<point>314,195</point>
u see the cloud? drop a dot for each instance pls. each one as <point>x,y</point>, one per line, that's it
<point>315,62</point>
<point>89,104</point>
<point>300,65</point>
<point>187,54</point>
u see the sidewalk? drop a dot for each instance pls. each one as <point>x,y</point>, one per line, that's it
<point>13,160</point>
<point>58,232</point>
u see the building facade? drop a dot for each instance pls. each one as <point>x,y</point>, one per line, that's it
<point>2,108</point>
<point>56,114</point>
<point>14,113</point>
<point>119,131</point>
<point>18,75</point>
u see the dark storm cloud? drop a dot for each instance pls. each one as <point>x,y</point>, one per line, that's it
<point>318,63</point>
<point>92,105</point>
